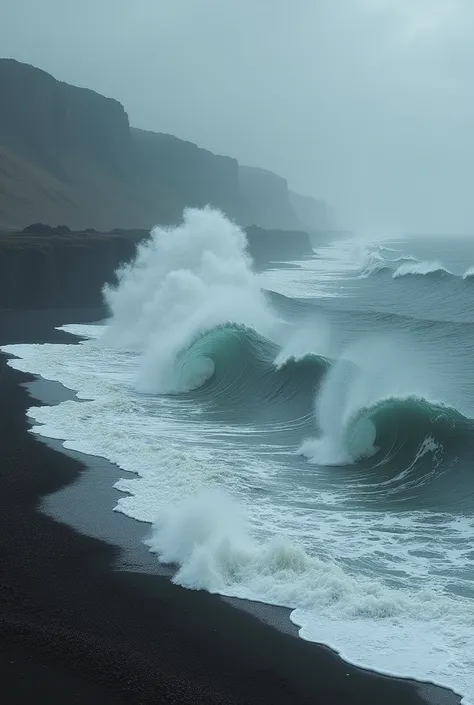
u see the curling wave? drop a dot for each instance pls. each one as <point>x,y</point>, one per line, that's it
<point>234,369</point>
<point>368,413</point>
<point>184,282</point>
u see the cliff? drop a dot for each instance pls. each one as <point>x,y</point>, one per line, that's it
<point>195,176</point>
<point>312,213</point>
<point>268,200</point>
<point>69,155</point>
<point>42,269</point>
<point>66,155</point>
<point>49,120</point>
<point>62,271</point>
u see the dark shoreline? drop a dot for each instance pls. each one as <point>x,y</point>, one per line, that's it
<point>74,630</point>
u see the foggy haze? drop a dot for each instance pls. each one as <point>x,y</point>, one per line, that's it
<point>365,103</point>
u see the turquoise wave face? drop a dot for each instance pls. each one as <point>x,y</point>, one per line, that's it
<point>235,360</point>
<point>399,447</point>
<point>412,450</point>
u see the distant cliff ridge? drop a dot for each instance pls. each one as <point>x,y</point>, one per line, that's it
<point>268,200</point>
<point>195,177</point>
<point>313,214</point>
<point>68,155</point>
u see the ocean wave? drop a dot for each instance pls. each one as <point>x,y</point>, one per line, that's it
<point>376,263</point>
<point>390,423</point>
<point>183,282</point>
<point>403,449</point>
<point>235,369</point>
<point>428,269</point>
<point>371,410</point>
<point>469,274</point>
<point>226,354</point>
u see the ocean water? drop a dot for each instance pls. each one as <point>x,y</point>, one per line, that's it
<point>303,436</point>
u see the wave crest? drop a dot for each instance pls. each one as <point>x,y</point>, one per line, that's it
<point>407,266</point>
<point>183,282</point>
<point>469,274</point>
<point>430,269</point>
<point>366,407</point>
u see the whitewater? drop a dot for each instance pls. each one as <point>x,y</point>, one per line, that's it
<point>302,436</point>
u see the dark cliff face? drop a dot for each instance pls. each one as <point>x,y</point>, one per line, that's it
<point>60,272</point>
<point>68,155</point>
<point>268,199</point>
<point>195,176</point>
<point>48,120</point>
<point>70,270</point>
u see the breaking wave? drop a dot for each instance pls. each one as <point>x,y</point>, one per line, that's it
<point>429,269</point>
<point>375,263</point>
<point>227,393</point>
<point>374,409</point>
<point>388,426</point>
<point>469,274</point>
<point>407,266</point>
<point>231,364</point>
<point>184,281</point>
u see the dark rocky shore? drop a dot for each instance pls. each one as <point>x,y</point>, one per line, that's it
<point>74,630</point>
<point>43,268</point>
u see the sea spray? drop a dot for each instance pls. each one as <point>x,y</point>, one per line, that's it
<point>368,372</point>
<point>427,269</point>
<point>184,281</point>
<point>469,274</point>
<point>314,338</point>
<point>376,558</point>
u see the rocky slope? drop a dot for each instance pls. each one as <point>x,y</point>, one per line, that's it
<point>68,155</point>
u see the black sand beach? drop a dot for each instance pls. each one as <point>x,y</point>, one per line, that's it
<point>74,630</point>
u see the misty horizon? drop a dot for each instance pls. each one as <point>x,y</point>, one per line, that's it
<point>364,105</point>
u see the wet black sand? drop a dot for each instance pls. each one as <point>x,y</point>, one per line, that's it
<point>73,629</point>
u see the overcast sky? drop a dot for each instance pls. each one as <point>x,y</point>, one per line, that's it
<point>367,103</point>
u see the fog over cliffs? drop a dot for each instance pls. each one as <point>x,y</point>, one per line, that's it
<point>68,155</point>
<point>366,104</point>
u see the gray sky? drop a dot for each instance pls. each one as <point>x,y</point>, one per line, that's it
<point>367,103</point>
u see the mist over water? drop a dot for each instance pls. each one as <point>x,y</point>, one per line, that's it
<point>303,436</point>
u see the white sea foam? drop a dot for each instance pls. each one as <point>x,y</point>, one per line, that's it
<point>375,262</point>
<point>368,372</point>
<point>184,281</point>
<point>421,269</point>
<point>315,338</point>
<point>469,273</point>
<point>237,518</point>
<point>195,493</point>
